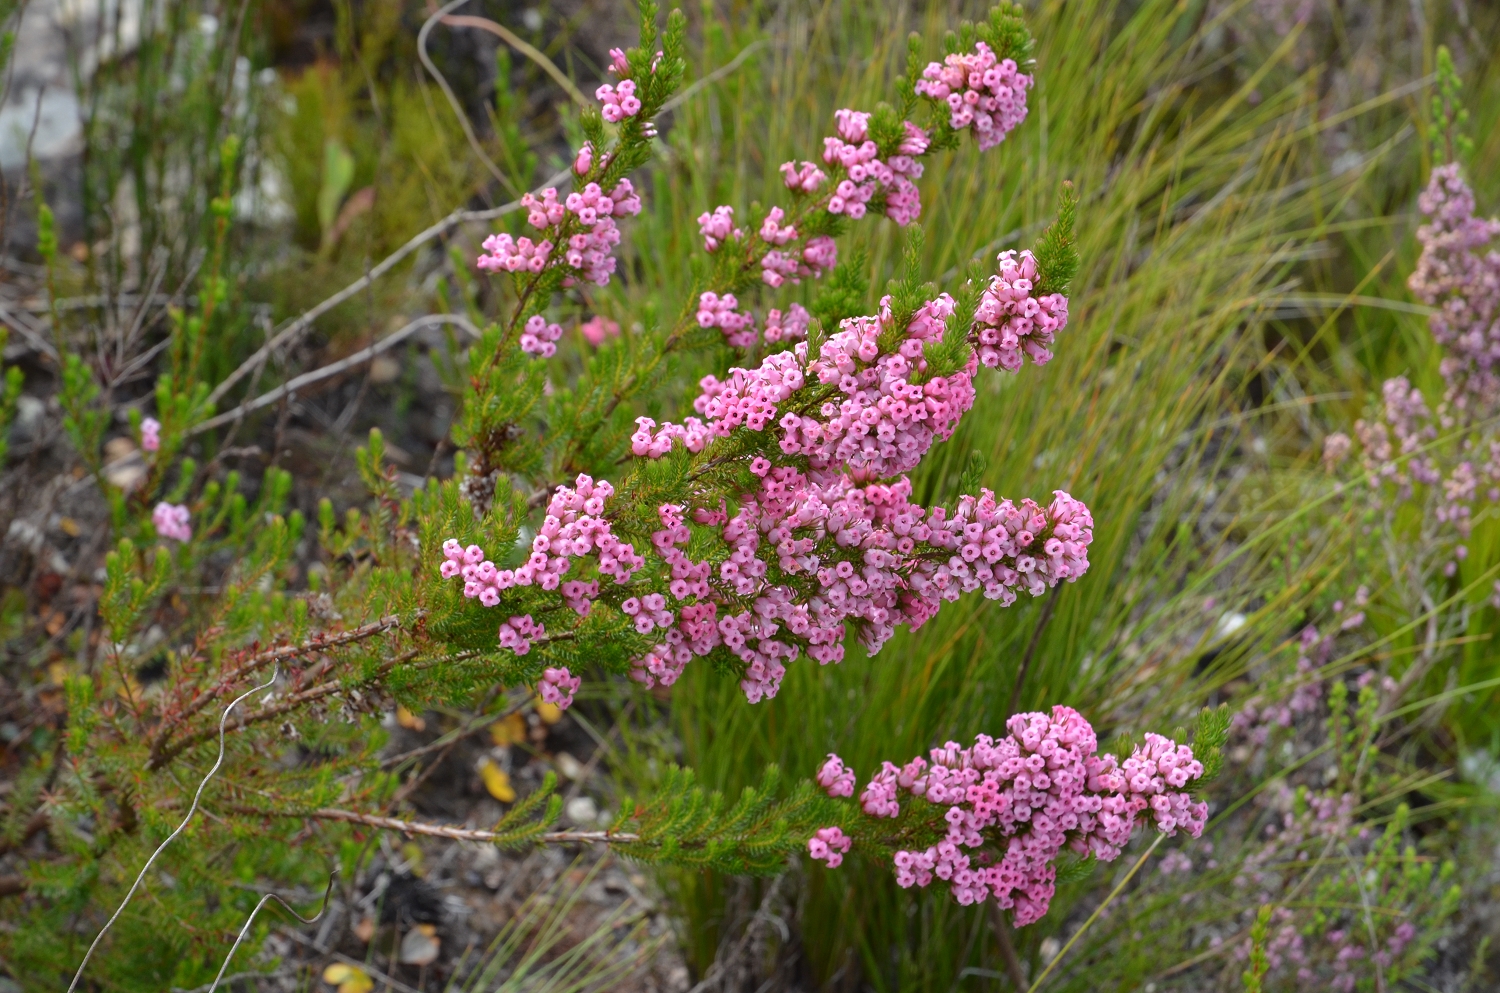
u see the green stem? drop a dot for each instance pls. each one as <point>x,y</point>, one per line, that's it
<point>1095,915</point>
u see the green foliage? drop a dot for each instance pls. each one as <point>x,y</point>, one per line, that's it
<point>1056,257</point>
<point>681,824</point>
<point>1450,142</point>
<point>1259,964</point>
<point>83,420</point>
<point>10,394</point>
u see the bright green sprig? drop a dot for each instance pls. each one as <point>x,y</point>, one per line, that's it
<point>1449,116</point>
<point>1056,256</point>
<point>1259,963</point>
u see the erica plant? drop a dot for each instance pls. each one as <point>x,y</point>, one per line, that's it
<point>580,538</point>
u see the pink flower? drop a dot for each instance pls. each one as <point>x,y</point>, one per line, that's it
<point>834,778</point>
<point>983,93</point>
<point>790,326</point>
<point>829,845</point>
<point>597,329</point>
<point>619,101</point>
<point>1011,321</point>
<point>517,634</point>
<point>171,521</point>
<point>558,686</point>
<point>539,337</point>
<point>1028,795</point>
<point>150,434</point>
<point>721,312</point>
<point>718,227</point>
<point>586,254</point>
<point>1458,273</point>
<point>805,178</point>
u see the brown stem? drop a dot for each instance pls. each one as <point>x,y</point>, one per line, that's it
<point>446,830</point>
<point>269,657</point>
<point>1036,637</point>
<point>1002,931</point>
<point>287,705</point>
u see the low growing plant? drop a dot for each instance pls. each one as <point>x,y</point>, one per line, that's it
<point>581,536</point>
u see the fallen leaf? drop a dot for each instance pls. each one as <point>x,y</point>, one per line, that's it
<point>348,979</point>
<point>364,930</point>
<point>509,730</point>
<point>496,780</point>
<point>413,856</point>
<point>409,720</point>
<point>420,946</point>
<point>550,713</point>
<point>69,527</point>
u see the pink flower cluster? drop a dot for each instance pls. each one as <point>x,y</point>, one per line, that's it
<point>171,521</point>
<point>507,254</point>
<point>819,255</point>
<point>1459,274</point>
<point>1014,804</point>
<point>830,845</point>
<point>773,232</point>
<point>718,227</point>
<point>883,424</point>
<point>982,92</point>
<point>789,326</point>
<point>539,337</point>
<point>805,178</point>
<point>574,527</point>
<point>865,174</point>
<point>834,778</point>
<point>517,633</point>
<point>715,311</point>
<point>846,553</point>
<point>587,251</point>
<point>619,101</point>
<point>558,686</point>
<point>890,413</point>
<point>1011,320</point>
<point>150,434</point>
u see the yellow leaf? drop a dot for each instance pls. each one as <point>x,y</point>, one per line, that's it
<point>69,527</point>
<point>409,720</point>
<point>336,973</point>
<point>413,856</point>
<point>497,781</point>
<point>358,982</point>
<point>509,730</point>
<point>550,713</point>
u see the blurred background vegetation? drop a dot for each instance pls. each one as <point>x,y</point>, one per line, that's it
<point>1248,173</point>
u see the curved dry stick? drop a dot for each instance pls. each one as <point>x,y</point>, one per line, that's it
<point>193,809</point>
<point>515,41</point>
<point>458,108</point>
<point>333,369</point>
<point>450,832</point>
<point>302,323</point>
<point>287,907</point>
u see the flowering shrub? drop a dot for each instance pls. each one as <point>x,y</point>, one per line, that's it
<point>781,519</point>
<point>578,537</point>
<point>1012,806</point>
